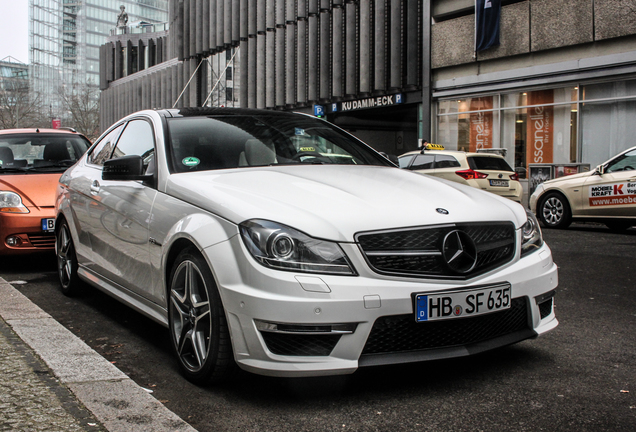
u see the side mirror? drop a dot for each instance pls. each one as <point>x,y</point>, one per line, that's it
<point>125,168</point>
<point>600,170</point>
<point>521,171</point>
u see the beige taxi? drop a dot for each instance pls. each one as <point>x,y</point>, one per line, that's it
<point>486,171</point>
<point>606,194</point>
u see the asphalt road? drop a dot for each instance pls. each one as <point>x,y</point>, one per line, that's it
<point>579,377</point>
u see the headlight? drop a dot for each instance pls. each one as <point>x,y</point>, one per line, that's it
<point>283,248</point>
<point>10,202</point>
<point>531,238</point>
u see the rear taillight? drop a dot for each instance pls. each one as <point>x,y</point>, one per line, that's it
<point>514,176</point>
<point>471,175</point>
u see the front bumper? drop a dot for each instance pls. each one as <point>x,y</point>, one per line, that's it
<point>27,227</point>
<point>295,324</point>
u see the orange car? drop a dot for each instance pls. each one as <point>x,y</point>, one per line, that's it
<point>31,163</point>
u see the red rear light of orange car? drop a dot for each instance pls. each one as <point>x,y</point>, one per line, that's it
<point>471,174</point>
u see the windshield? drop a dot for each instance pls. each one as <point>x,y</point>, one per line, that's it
<point>232,141</point>
<point>40,151</point>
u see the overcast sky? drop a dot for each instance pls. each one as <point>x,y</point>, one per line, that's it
<point>14,29</point>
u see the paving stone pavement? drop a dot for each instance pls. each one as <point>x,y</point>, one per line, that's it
<point>31,398</point>
<point>50,380</point>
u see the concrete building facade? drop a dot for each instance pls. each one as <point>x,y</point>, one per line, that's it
<point>560,87</point>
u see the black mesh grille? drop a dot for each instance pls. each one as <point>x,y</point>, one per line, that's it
<point>400,333</point>
<point>418,252</point>
<point>43,240</point>
<point>545,308</point>
<point>299,344</point>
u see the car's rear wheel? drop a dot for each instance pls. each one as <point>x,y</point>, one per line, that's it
<point>70,282</point>
<point>554,211</point>
<point>198,326</point>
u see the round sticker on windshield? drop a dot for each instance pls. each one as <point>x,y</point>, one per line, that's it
<point>191,161</point>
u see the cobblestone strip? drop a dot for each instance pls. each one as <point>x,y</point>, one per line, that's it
<point>31,398</point>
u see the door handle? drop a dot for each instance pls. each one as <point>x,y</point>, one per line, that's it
<point>95,188</point>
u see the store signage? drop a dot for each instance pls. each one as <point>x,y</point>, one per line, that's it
<point>540,126</point>
<point>56,123</point>
<point>481,123</point>
<point>374,102</point>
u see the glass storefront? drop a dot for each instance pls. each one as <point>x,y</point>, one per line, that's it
<point>587,123</point>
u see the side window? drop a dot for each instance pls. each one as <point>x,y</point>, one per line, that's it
<point>627,162</point>
<point>137,139</point>
<point>446,161</point>
<point>104,148</point>
<point>405,160</point>
<point>423,162</point>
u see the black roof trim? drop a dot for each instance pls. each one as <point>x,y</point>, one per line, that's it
<point>207,111</point>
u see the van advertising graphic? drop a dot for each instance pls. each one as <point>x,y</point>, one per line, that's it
<point>613,194</point>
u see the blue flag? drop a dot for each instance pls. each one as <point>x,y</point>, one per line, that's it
<point>487,18</point>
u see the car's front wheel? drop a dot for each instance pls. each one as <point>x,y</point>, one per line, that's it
<point>554,211</point>
<point>70,282</point>
<point>198,326</point>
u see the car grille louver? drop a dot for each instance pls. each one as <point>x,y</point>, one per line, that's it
<point>418,252</point>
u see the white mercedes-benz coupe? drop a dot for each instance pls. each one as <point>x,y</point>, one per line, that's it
<point>280,243</point>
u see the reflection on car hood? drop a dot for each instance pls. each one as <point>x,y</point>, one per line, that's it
<point>35,189</point>
<point>335,202</point>
<point>579,176</point>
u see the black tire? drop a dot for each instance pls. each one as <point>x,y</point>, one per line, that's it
<point>198,327</point>
<point>554,211</point>
<point>70,283</point>
<point>619,225</point>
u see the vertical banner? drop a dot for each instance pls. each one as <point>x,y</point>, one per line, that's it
<point>481,123</point>
<point>540,127</point>
<point>487,18</point>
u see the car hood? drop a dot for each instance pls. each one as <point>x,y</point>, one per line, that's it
<point>569,178</point>
<point>335,202</point>
<point>36,190</point>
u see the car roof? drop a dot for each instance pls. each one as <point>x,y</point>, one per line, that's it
<point>454,153</point>
<point>38,130</point>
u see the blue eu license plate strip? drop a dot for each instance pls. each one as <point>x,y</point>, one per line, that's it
<point>48,225</point>
<point>460,304</point>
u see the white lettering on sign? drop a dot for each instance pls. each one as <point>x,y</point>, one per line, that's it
<point>612,194</point>
<point>375,102</point>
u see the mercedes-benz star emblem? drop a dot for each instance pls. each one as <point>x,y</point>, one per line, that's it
<point>459,252</point>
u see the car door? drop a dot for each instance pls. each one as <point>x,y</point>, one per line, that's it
<point>84,206</point>
<point>612,193</point>
<point>120,243</point>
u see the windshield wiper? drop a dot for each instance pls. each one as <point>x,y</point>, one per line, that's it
<point>10,169</point>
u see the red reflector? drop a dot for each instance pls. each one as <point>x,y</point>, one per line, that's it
<point>471,175</point>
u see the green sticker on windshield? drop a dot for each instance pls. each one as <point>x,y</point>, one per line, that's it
<point>191,161</point>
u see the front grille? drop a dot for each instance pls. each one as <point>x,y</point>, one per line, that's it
<point>42,240</point>
<point>400,333</point>
<point>300,345</point>
<point>418,252</point>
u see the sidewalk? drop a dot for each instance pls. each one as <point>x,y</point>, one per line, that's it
<point>52,381</point>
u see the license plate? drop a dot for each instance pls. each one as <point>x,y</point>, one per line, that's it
<point>462,304</point>
<point>48,225</point>
<point>500,183</point>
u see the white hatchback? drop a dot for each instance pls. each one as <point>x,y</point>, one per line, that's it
<point>281,244</point>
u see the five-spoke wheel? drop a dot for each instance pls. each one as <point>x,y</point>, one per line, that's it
<point>66,260</point>
<point>197,321</point>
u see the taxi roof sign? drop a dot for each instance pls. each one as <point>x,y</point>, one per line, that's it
<point>430,146</point>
